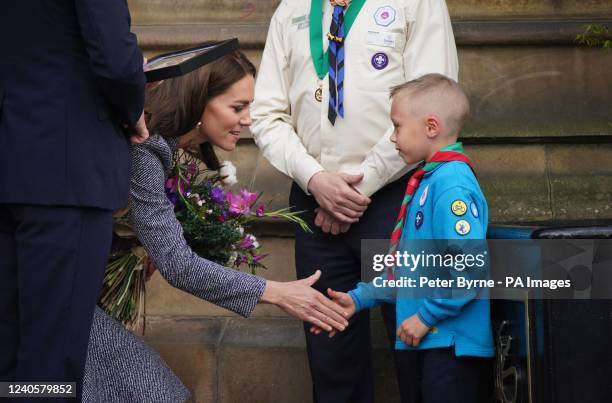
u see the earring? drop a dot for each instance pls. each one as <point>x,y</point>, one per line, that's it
<point>198,126</point>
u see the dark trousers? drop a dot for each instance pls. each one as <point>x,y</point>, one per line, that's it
<point>341,367</point>
<point>52,263</point>
<point>442,377</point>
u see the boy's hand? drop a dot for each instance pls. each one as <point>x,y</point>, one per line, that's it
<point>342,299</point>
<point>412,330</point>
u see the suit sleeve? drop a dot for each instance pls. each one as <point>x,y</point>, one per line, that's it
<point>430,48</point>
<point>115,59</point>
<point>459,229</point>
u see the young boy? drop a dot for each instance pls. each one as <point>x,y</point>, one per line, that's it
<point>443,202</point>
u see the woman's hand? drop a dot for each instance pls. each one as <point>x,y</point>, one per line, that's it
<point>342,299</point>
<point>300,300</point>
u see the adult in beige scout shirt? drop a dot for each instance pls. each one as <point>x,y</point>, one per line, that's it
<point>345,173</point>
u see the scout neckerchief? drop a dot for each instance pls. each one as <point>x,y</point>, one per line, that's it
<point>321,59</point>
<point>452,152</point>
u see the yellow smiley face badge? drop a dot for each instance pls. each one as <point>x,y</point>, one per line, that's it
<point>459,208</point>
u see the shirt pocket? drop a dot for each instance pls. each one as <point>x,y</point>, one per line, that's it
<point>380,58</point>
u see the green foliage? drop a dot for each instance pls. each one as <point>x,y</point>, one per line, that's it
<point>595,35</point>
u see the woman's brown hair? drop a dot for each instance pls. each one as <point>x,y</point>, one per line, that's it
<point>175,106</point>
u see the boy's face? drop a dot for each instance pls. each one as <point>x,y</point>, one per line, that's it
<point>411,133</point>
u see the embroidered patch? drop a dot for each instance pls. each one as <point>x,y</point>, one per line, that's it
<point>462,227</point>
<point>384,16</point>
<point>474,209</point>
<point>418,221</point>
<point>458,207</point>
<point>380,61</point>
<point>423,196</point>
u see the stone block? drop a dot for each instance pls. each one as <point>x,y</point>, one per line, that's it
<point>536,91</point>
<point>198,11</point>
<point>195,364</point>
<point>514,181</point>
<point>527,8</point>
<point>263,374</point>
<point>581,178</point>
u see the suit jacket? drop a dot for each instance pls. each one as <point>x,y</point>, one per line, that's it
<point>70,77</point>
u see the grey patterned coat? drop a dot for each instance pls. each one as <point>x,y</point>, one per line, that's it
<point>120,366</point>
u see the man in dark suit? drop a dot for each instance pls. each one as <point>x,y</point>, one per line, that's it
<point>71,85</point>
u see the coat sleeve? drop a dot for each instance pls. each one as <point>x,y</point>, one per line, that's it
<point>161,234</point>
<point>114,56</point>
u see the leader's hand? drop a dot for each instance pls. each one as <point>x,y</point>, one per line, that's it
<point>333,191</point>
<point>328,223</point>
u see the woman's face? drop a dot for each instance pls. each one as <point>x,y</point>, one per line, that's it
<point>227,114</point>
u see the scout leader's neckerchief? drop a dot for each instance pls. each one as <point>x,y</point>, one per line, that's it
<point>320,59</point>
<point>452,152</point>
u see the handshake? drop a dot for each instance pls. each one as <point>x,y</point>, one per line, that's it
<point>411,331</point>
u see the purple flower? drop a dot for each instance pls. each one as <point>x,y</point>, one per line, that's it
<point>170,189</point>
<point>171,197</point>
<point>241,259</point>
<point>217,195</point>
<point>171,184</point>
<point>260,210</point>
<point>257,258</point>
<point>247,242</point>
<point>192,169</point>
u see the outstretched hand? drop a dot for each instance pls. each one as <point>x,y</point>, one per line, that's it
<point>342,299</point>
<point>300,300</point>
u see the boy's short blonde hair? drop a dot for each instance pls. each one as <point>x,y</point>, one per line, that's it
<point>438,95</point>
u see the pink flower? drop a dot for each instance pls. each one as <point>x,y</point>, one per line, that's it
<point>260,210</point>
<point>240,204</point>
<point>248,197</point>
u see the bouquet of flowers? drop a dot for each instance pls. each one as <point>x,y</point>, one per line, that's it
<point>215,224</point>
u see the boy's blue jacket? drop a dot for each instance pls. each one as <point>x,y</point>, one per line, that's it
<point>448,205</point>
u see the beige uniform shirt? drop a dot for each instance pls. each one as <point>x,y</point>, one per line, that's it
<point>290,126</point>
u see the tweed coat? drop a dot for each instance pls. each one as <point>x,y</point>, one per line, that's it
<point>120,366</point>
